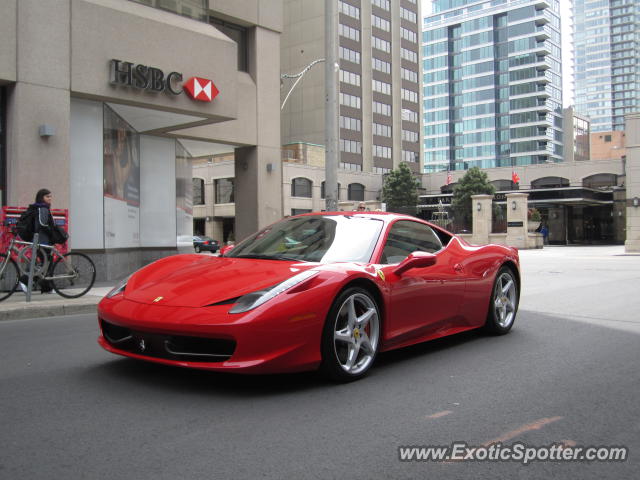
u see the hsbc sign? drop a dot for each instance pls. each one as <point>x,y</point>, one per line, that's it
<point>153,79</point>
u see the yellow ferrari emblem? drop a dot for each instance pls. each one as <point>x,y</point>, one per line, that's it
<point>157,299</point>
<point>356,333</point>
<point>380,274</point>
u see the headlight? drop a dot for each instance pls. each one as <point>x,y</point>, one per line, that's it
<point>119,288</point>
<point>255,299</point>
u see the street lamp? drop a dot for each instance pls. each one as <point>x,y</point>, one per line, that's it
<point>297,76</point>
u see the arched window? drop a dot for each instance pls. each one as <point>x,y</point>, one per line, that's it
<point>550,182</point>
<point>355,191</point>
<point>322,194</point>
<point>600,180</point>
<point>301,187</point>
<point>198,191</point>
<point>502,185</point>
<point>448,188</point>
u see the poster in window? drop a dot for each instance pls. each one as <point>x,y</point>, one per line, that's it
<point>121,182</point>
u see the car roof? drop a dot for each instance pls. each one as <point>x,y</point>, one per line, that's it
<point>387,217</point>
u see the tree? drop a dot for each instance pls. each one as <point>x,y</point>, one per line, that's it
<point>400,189</point>
<point>474,182</point>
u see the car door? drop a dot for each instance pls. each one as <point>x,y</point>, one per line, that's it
<point>422,300</point>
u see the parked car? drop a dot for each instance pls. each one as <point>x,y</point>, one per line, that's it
<point>198,242</point>
<point>201,242</point>
<point>321,291</point>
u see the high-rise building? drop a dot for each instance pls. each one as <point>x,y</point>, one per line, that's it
<point>492,84</point>
<point>606,61</point>
<point>379,91</point>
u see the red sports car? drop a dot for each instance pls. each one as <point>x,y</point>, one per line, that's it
<point>321,290</point>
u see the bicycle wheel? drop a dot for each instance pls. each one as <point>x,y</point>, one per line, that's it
<point>76,274</point>
<point>9,277</point>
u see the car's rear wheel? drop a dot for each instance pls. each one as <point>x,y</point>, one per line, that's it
<point>351,335</point>
<point>503,305</point>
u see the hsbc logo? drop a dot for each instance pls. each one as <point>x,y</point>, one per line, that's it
<point>153,79</point>
<point>200,89</point>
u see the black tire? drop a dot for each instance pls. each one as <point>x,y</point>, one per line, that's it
<point>9,278</point>
<point>197,248</point>
<point>84,275</point>
<point>503,303</point>
<point>339,339</point>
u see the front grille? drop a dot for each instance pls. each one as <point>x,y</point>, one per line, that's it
<point>170,347</point>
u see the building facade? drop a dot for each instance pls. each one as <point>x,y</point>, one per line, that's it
<point>582,199</point>
<point>606,67</point>
<point>106,102</point>
<point>379,81</point>
<point>492,84</point>
<point>303,172</point>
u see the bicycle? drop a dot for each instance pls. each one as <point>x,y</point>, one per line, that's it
<point>71,274</point>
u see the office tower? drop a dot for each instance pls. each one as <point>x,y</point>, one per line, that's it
<point>379,81</point>
<point>492,84</point>
<point>606,56</point>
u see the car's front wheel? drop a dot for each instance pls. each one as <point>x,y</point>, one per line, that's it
<point>197,248</point>
<point>351,335</point>
<point>503,304</point>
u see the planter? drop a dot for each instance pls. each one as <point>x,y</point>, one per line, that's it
<point>532,225</point>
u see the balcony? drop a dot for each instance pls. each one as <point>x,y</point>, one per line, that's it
<point>542,34</point>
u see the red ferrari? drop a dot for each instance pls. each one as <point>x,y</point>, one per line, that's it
<point>321,290</point>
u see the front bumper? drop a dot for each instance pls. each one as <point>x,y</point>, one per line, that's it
<point>271,339</point>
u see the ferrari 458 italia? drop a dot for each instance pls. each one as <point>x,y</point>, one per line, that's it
<point>324,291</point>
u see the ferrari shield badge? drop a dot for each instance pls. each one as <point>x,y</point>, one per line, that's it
<point>380,274</point>
<point>157,299</point>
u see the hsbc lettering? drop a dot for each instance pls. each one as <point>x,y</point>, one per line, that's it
<point>150,78</point>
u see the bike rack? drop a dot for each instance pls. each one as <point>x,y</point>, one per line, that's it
<point>32,266</point>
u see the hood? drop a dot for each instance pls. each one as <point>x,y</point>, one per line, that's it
<point>199,280</point>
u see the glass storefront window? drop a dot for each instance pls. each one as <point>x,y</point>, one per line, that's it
<point>121,182</point>
<point>184,192</point>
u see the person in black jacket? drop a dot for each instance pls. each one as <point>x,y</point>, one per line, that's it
<point>44,226</point>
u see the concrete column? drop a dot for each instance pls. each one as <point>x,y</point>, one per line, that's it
<point>632,243</point>
<point>517,235</point>
<point>482,218</point>
<point>258,169</point>
<point>214,230</point>
<point>40,96</point>
<point>367,91</point>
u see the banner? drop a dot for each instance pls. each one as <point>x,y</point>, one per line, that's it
<point>121,144</point>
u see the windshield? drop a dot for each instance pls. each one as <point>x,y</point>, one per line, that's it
<point>325,239</point>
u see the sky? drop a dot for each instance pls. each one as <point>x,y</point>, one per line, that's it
<point>567,49</point>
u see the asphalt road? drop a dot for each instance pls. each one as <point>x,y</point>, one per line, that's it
<point>69,410</point>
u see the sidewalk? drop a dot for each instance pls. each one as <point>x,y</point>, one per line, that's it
<point>16,307</point>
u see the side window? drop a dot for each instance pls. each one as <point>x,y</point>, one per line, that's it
<point>407,237</point>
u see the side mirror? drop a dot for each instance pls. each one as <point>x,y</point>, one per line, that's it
<point>415,260</point>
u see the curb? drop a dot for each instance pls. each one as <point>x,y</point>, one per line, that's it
<point>50,309</point>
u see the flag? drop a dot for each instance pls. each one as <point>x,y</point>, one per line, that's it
<point>449,177</point>
<point>514,177</point>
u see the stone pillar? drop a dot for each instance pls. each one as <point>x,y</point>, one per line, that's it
<point>481,207</point>
<point>215,227</point>
<point>632,243</point>
<point>258,169</point>
<point>517,204</point>
<point>39,97</point>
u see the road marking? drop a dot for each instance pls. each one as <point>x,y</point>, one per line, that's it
<point>443,413</point>
<point>537,425</point>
